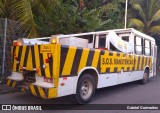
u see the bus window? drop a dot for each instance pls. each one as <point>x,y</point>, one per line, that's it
<point>138,45</point>
<point>125,38</point>
<point>102,41</point>
<point>147,48</point>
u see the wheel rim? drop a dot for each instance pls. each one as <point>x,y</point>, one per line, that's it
<point>86,89</point>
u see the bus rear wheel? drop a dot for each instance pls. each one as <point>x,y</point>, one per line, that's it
<point>85,89</point>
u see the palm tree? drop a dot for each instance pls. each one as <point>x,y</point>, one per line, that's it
<point>145,16</point>
<point>24,12</point>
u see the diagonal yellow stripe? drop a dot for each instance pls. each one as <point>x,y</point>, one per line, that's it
<point>22,57</point>
<point>41,92</point>
<point>33,90</point>
<point>136,63</point>
<point>14,84</point>
<point>84,58</point>
<point>95,58</point>
<point>29,65</point>
<point>52,92</point>
<point>8,82</point>
<point>150,63</point>
<point>15,61</point>
<point>140,63</point>
<point>144,63</point>
<point>69,61</point>
<point>147,61</point>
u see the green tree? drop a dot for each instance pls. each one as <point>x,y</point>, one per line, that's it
<point>113,13</point>
<point>145,16</point>
<point>23,12</point>
<point>67,18</point>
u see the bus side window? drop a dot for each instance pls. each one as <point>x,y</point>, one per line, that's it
<point>147,47</point>
<point>102,41</point>
<point>138,45</point>
<point>125,38</point>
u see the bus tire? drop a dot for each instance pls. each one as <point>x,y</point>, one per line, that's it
<point>85,89</point>
<point>145,77</point>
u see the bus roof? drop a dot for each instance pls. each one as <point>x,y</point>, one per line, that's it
<point>128,30</point>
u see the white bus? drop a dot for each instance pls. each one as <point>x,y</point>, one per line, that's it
<point>78,64</point>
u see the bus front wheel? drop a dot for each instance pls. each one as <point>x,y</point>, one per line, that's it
<point>145,77</point>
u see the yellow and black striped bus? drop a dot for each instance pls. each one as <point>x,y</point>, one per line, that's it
<point>78,64</point>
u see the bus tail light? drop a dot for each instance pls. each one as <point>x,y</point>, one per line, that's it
<point>47,60</point>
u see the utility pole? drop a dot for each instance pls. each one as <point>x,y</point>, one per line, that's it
<point>125,24</point>
<point>4,46</point>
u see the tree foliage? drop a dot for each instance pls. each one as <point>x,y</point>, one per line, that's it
<point>146,16</point>
<point>67,18</point>
<point>47,17</point>
<point>113,13</point>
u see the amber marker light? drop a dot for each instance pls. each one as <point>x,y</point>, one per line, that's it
<point>54,41</point>
<point>17,43</point>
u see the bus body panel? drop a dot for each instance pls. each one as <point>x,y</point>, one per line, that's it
<point>64,65</point>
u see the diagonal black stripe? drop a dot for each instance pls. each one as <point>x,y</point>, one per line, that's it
<point>33,57</point>
<point>99,61</point>
<point>37,91</point>
<point>76,61</point>
<point>11,83</point>
<point>51,66</point>
<point>138,63</point>
<point>134,63</point>
<point>30,89</point>
<point>90,57</point>
<point>14,48</point>
<point>19,57</point>
<point>142,63</point>
<point>26,56</point>
<point>41,62</point>
<point>64,51</point>
<point>115,70</point>
<point>46,90</point>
